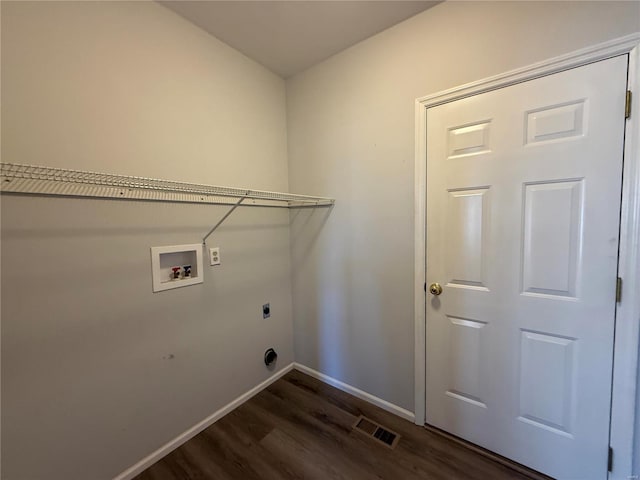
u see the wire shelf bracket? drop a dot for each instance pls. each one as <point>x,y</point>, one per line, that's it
<point>237,204</point>
<point>38,180</point>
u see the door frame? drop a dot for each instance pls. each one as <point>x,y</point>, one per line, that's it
<point>625,424</point>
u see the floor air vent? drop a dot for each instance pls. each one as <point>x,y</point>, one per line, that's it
<point>377,432</point>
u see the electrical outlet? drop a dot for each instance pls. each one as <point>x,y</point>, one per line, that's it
<point>214,256</point>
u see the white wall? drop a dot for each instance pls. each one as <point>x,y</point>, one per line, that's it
<point>89,385</point>
<point>351,136</point>
<point>97,371</point>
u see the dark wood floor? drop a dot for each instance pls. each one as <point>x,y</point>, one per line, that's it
<point>301,428</point>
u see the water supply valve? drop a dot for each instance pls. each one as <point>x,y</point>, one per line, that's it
<point>176,273</point>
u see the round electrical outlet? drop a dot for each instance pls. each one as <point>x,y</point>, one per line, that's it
<point>270,356</point>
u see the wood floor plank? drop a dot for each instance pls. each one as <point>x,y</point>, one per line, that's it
<point>249,459</point>
<point>305,459</point>
<point>301,428</point>
<point>254,427</point>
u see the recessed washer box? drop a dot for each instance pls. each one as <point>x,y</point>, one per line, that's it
<point>165,261</point>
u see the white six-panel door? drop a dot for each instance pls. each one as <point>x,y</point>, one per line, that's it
<point>523,207</point>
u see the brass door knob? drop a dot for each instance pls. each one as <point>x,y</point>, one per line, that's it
<point>435,289</point>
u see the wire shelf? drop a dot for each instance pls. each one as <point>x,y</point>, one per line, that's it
<point>38,180</point>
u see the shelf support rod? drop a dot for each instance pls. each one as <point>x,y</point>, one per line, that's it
<point>236,205</point>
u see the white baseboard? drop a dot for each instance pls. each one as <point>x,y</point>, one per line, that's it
<point>356,392</point>
<point>167,448</point>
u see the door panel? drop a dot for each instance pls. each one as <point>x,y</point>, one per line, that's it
<point>547,360</point>
<point>467,213</point>
<point>555,122</point>
<point>552,237</point>
<point>523,204</point>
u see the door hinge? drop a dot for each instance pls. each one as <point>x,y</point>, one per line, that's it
<point>618,289</point>
<point>610,460</point>
<point>627,105</point>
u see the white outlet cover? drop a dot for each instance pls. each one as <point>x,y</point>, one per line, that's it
<point>214,256</point>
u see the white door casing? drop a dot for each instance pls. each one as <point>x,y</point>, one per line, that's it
<point>625,423</point>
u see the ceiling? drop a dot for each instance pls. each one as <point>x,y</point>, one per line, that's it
<point>288,37</point>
